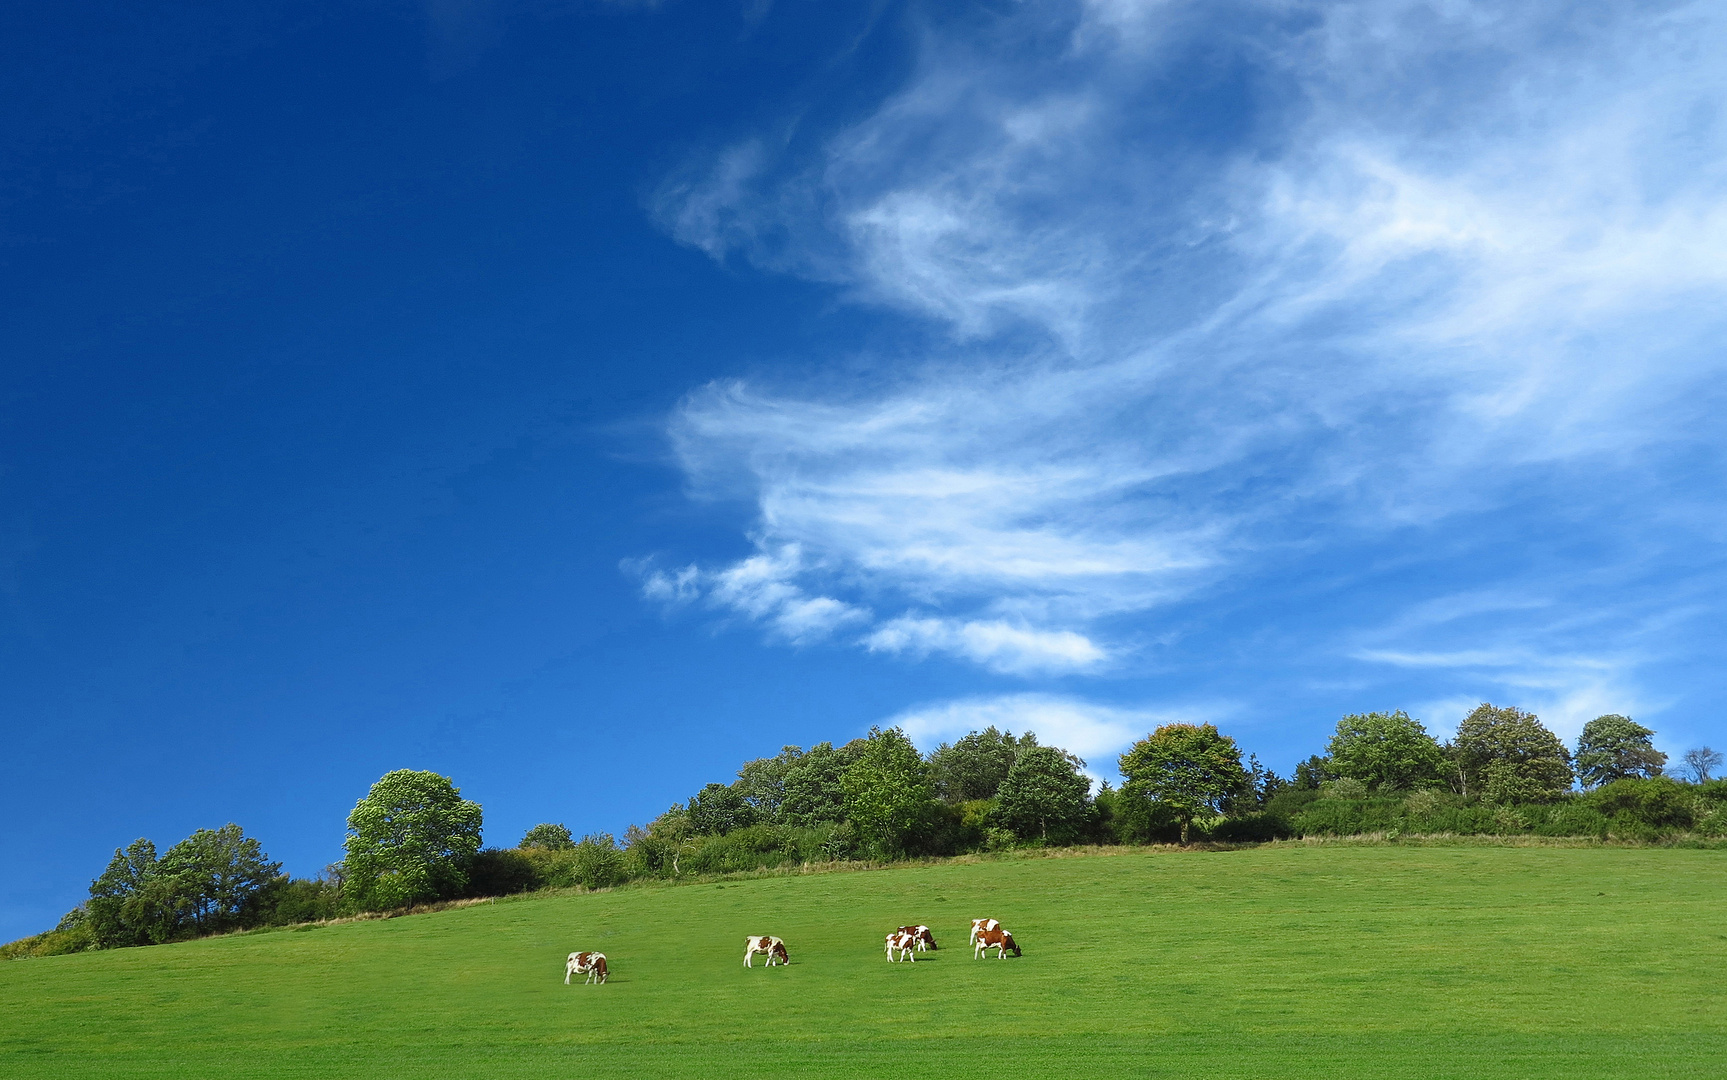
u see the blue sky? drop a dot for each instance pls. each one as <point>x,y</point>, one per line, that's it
<point>580,398</point>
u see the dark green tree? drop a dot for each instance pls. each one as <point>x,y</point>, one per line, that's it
<point>1184,770</point>
<point>548,837</point>
<point>1615,747</point>
<point>1505,755</point>
<point>409,841</point>
<point>1313,772</point>
<point>1044,796</point>
<point>762,783</point>
<point>1387,752</point>
<point>813,792</point>
<point>718,809</point>
<point>217,880</point>
<point>887,793</point>
<point>975,766</point>
<point>117,914</point>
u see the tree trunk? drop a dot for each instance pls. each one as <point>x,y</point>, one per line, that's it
<point>1185,822</point>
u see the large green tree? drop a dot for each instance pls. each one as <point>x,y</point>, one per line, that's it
<point>975,767</point>
<point>410,840</point>
<point>1386,751</point>
<point>1615,747</point>
<point>887,792</point>
<point>1505,755</point>
<point>221,879</point>
<point>813,793</point>
<point>1044,796</point>
<point>1185,769</point>
<point>117,912</point>
<point>762,783</point>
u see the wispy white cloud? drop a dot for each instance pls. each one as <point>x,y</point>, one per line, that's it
<point>1426,258</point>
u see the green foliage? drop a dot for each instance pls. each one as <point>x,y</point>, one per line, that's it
<point>1044,796</point>
<point>975,767</point>
<point>1615,747</point>
<point>212,881</point>
<point>1505,755</point>
<point>410,840</point>
<point>717,809</point>
<point>219,879</point>
<point>813,791</point>
<point>1311,773</point>
<point>503,871</point>
<point>762,783</point>
<point>1344,787</point>
<point>1187,769</point>
<point>548,837</point>
<point>1257,827</point>
<point>1657,803</point>
<point>1386,751</point>
<point>887,794</point>
<point>304,900</point>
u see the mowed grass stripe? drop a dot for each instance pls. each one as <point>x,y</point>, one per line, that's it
<point>1141,960</point>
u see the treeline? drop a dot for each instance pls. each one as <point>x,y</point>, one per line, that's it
<point>414,840</point>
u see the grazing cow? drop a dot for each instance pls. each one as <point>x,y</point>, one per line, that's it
<point>591,963</point>
<point>999,940</point>
<point>925,940</point>
<point>978,926</point>
<point>904,943</point>
<point>772,946</point>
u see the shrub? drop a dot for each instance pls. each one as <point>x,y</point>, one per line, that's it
<point>1654,804</point>
<point>1253,828</point>
<point>1344,787</point>
<point>501,872</point>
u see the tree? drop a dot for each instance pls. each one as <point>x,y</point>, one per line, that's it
<point>1506,755</point>
<point>1386,751</point>
<point>1701,763</point>
<point>762,783</point>
<point>887,794</point>
<point>1044,795</point>
<point>717,809</point>
<point>1186,769</point>
<point>409,841</point>
<point>1311,773</point>
<point>1615,747</point>
<point>813,792</point>
<point>975,767</point>
<point>218,880</point>
<point>115,897</point>
<point>548,837</point>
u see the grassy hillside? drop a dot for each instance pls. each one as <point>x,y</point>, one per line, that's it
<point>1284,961</point>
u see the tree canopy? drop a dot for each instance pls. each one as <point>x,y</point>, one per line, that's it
<point>410,840</point>
<point>1044,795</point>
<point>887,793</point>
<point>1386,751</point>
<point>1188,769</point>
<point>548,837</point>
<point>1615,747</point>
<point>975,767</point>
<point>1505,755</point>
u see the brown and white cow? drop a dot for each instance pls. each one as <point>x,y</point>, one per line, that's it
<point>593,964</point>
<point>772,946</point>
<point>978,926</point>
<point>925,940</point>
<point>903,943</point>
<point>999,940</point>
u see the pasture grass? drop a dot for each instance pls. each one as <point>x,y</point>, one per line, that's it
<point>1287,960</point>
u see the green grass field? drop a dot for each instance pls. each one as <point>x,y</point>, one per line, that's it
<point>1285,960</point>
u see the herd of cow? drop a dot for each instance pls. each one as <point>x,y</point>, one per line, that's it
<point>903,944</point>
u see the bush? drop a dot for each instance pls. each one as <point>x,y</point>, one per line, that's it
<point>302,900</point>
<point>1652,805</point>
<point>1253,828</point>
<point>501,872</point>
